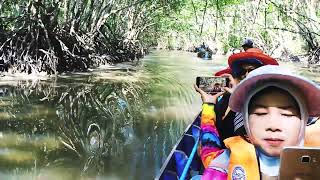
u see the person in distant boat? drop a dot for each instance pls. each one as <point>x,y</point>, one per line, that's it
<point>275,104</point>
<point>230,123</point>
<point>247,44</point>
<point>203,45</point>
<point>204,51</point>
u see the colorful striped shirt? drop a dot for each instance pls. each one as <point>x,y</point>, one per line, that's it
<point>214,158</point>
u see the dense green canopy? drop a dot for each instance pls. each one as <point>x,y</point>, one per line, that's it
<point>57,36</point>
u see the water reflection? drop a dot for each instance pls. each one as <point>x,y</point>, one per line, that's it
<point>113,123</point>
<point>98,121</point>
<point>91,128</point>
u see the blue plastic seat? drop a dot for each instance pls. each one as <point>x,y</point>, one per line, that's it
<point>169,175</point>
<point>181,160</point>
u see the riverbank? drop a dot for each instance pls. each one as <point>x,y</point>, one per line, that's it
<point>301,61</point>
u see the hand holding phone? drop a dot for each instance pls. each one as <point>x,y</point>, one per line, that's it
<point>212,85</point>
<point>231,83</point>
<point>208,98</point>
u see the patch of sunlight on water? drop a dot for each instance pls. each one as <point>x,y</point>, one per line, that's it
<point>36,112</point>
<point>126,72</point>
<point>17,157</point>
<point>12,140</point>
<point>8,76</point>
<point>116,76</point>
<point>171,112</point>
<point>4,116</point>
<point>302,70</point>
<point>22,151</point>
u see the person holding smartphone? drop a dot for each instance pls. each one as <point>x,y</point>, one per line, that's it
<point>275,104</point>
<point>230,123</point>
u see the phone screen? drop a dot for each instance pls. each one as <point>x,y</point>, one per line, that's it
<point>212,85</point>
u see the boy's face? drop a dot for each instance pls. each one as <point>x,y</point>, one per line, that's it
<point>274,122</point>
<point>246,68</point>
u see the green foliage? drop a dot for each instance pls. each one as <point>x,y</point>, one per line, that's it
<point>318,12</point>
<point>225,47</point>
<point>106,27</point>
<point>234,41</point>
<point>220,4</point>
<point>266,37</point>
<point>231,42</point>
<point>270,8</point>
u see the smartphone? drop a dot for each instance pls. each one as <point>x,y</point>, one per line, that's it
<point>213,84</point>
<point>300,163</point>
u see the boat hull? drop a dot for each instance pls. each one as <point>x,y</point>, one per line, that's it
<point>184,154</point>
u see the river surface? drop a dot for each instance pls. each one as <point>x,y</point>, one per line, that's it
<point>114,122</point>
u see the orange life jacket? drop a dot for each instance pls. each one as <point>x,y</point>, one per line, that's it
<point>312,135</point>
<point>243,159</point>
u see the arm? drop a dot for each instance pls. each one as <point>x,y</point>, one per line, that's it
<point>214,158</point>
<point>209,140</point>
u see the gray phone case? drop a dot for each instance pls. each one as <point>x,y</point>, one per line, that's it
<point>300,163</point>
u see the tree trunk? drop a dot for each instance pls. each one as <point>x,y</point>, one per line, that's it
<point>204,14</point>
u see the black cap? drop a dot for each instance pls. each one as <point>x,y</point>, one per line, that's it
<point>247,43</point>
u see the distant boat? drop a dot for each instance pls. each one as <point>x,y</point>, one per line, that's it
<point>183,161</point>
<point>205,54</point>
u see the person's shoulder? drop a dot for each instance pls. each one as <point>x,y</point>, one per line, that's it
<point>223,101</point>
<point>254,50</point>
<point>226,97</point>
